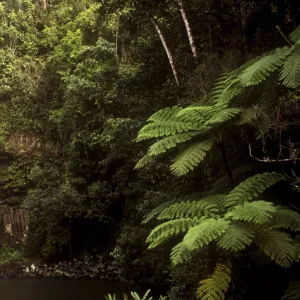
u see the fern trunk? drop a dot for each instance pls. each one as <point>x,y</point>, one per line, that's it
<point>225,160</point>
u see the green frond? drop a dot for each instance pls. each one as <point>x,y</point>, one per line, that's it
<point>169,142</point>
<point>180,254</point>
<point>286,218</point>
<point>165,114</point>
<point>215,287</point>
<point>252,187</point>
<point>293,290</point>
<point>156,211</point>
<point>199,114</point>
<point>202,234</point>
<point>278,245</point>
<point>145,160</point>
<point>290,73</point>
<point>257,212</point>
<point>236,237</point>
<point>226,95</point>
<point>263,67</point>
<point>207,206</point>
<point>223,116</point>
<point>164,123</point>
<point>295,35</point>
<point>191,157</point>
<point>168,229</point>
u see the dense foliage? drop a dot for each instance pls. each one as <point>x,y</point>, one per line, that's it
<point>83,81</point>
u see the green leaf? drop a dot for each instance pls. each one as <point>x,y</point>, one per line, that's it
<point>191,157</point>
<point>236,237</point>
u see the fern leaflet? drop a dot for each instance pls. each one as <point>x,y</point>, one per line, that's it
<point>215,287</point>
<point>191,157</point>
<point>236,237</point>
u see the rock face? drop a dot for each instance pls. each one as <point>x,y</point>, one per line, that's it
<point>88,268</point>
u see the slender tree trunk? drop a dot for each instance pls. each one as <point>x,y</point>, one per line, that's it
<point>225,160</point>
<point>168,52</point>
<point>43,4</point>
<point>188,29</point>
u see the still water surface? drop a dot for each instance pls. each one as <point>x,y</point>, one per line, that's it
<point>58,289</point>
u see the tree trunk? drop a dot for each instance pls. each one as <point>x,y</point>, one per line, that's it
<point>43,4</point>
<point>225,160</point>
<point>169,54</point>
<point>188,29</point>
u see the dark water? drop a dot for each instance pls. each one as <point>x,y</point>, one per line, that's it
<point>58,289</point>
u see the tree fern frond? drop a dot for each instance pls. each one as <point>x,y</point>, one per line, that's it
<point>252,187</point>
<point>166,128</point>
<point>145,160</point>
<point>202,234</point>
<point>197,113</point>
<point>168,229</point>
<point>165,114</point>
<point>180,254</point>
<point>278,245</point>
<point>215,287</point>
<point>223,115</point>
<point>286,218</point>
<point>207,206</point>
<point>169,142</point>
<point>263,67</point>
<point>290,73</point>
<point>191,157</point>
<point>257,212</point>
<point>293,290</point>
<point>236,237</point>
<point>156,211</point>
<point>295,35</point>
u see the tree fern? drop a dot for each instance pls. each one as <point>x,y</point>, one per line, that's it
<point>145,160</point>
<point>206,206</point>
<point>202,234</point>
<point>293,290</point>
<point>295,35</point>
<point>263,67</point>
<point>171,228</point>
<point>252,187</point>
<point>180,254</point>
<point>237,237</point>
<point>223,116</point>
<point>290,73</point>
<point>257,212</point>
<point>157,211</point>
<point>215,287</point>
<point>191,157</point>
<point>169,142</point>
<point>286,218</point>
<point>278,245</point>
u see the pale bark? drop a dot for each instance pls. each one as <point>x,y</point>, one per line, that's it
<point>43,4</point>
<point>168,52</point>
<point>188,29</point>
